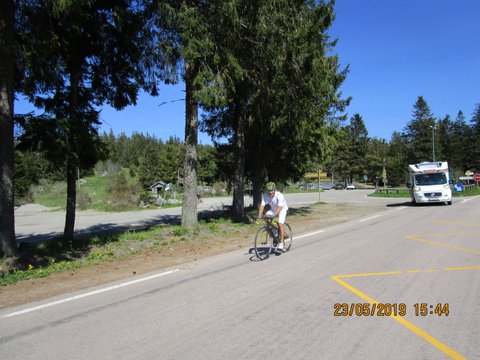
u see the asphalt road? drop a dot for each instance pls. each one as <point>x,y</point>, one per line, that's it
<point>408,260</point>
<point>33,223</point>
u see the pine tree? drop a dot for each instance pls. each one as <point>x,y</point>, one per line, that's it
<point>397,159</point>
<point>474,152</point>
<point>97,57</point>
<point>419,133</point>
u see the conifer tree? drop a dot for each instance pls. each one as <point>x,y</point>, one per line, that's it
<point>475,139</point>
<point>96,57</point>
<point>419,133</point>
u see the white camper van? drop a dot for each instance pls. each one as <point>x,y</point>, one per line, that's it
<point>429,182</point>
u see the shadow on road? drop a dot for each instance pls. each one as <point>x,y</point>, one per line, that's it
<point>103,229</point>
<point>410,204</point>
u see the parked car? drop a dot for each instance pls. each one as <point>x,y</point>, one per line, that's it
<point>327,185</point>
<point>338,187</point>
<point>351,187</point>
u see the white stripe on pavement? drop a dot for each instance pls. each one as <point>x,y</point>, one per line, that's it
<point>91,293</point>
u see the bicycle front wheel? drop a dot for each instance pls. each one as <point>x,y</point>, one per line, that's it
<point>288,237</point>
<point>263,243</point>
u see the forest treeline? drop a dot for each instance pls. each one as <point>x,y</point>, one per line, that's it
<point>353,155</point>
<point>265,75</point>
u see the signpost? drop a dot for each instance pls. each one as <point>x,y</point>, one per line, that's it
<point>318,175</point>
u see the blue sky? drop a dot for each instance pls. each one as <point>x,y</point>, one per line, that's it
<point>397,50</point>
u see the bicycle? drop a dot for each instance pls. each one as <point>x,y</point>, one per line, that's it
<point>267,239</point>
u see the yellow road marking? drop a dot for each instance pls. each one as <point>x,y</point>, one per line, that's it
<point>457,222</point>
<point>442,244</point>
<point>462,268</point>
<point>371,274</point>
<point>472,267</point>
<point>449,234</point>
<point>416,330</point>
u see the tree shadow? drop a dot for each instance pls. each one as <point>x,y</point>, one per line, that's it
<point>40,250</point>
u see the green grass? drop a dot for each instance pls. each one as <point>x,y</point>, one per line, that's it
<point>96,187</point>
<point>93,194</point>
<point>406,193</point>
<point>56,255</point>
<point>52,195</point>
<point>467,192</point>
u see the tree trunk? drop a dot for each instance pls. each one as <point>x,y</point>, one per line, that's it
<point>238,213</point>
<point>257,169</point>
<point>257,182</point>
<point>189,208</point>
<point>7,69</point>
<point>69,229</point>
<point>72,163</point>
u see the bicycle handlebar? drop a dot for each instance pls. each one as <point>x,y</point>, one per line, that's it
<point>267,219</point>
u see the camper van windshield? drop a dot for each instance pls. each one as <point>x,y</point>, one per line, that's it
<point>431,179</point>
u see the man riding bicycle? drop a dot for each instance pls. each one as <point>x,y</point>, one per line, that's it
<point>278,207</point>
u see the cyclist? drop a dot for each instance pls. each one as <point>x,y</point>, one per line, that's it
<point>278,207</point>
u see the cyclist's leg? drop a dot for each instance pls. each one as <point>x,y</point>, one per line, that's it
<point>274,228</point>
<point>288,237</point>
<point>281,225</point>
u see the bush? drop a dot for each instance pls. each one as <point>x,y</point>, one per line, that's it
<point>83,199</point>
<point>120,194</point>
<point>107,167</point>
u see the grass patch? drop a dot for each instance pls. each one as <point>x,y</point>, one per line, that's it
<point>406,193</point>
<point>109,192</point>
<point>467,192</point>
<point>52,195</point>
<point>56,255</point>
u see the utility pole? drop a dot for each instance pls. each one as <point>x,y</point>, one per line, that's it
<point>433,142</point>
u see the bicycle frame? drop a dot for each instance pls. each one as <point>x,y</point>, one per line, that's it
<point>267,238</point>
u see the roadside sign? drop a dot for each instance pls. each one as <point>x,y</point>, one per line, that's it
<point>476,177</point>
<point>468,173</point>
<point>320,174</point>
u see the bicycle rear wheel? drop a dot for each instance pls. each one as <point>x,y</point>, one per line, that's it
<point>288,237</point>
<point>263,243</point>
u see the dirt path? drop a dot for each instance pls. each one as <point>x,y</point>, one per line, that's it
<point>39,289</point>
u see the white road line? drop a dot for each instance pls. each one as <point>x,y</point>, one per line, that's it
<point>369,218</point>
<point>99,291</point>
<point>308,234</point>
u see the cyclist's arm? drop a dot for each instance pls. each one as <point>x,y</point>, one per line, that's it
<point>260,210</point>
<point>279,208</point>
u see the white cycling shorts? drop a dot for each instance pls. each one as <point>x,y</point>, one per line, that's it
<point>281,216</point>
